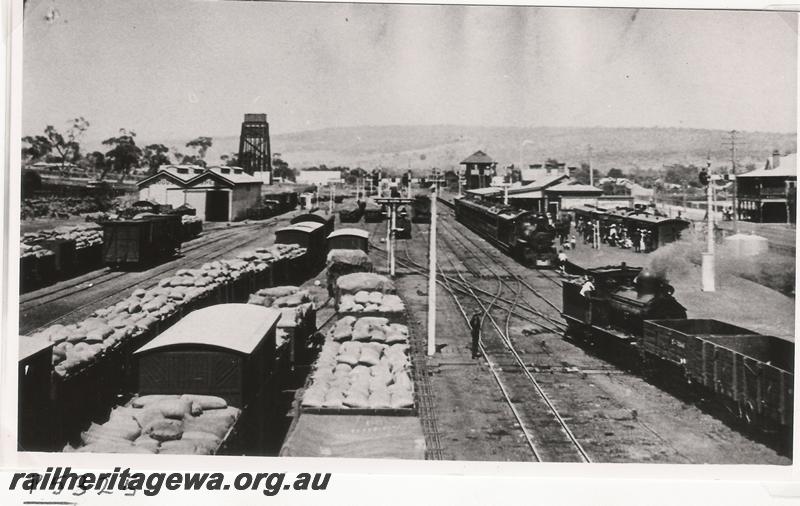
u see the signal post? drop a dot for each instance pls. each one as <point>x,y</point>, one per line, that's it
<point>392,203</point>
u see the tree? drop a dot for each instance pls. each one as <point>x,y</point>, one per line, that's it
<point>615,173</point>
<point>96,162</point>
<point>66,145</point>
<point>200,145</point>
<point>683,175</point>
<point>582,174</point>
<point>124,154</point>
<point>156,155</point>
<point>38,147</point>
<point>282,169</point>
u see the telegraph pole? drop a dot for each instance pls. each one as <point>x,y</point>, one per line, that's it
<point>591,172</point>
<point>333,194</point>
<point>432,270</point>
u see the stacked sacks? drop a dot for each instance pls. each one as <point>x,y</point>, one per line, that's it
<point>364,364</point>
<point>84,236</point>
<point>165,424</point>
<point>79,344</point>
<point>293,303</point>
<point>363,281</point>
<point>366,302</point>
<point>33,250</point>
<point>345,261</point>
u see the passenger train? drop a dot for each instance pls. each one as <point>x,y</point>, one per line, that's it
<point>527,237</point>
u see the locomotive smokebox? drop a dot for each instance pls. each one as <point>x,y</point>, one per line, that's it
<point>647,282</point>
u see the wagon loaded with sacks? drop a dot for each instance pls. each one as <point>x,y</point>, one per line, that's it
<point>359,400</point>
<point>345,261</point>
<point>190,378</point>
<point>91,359</point>
<point>297,324</point>
<point>367,294</point>
<point>365,362</point>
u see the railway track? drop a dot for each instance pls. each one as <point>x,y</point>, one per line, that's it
<point>544,430</point>
<point>195,253</point>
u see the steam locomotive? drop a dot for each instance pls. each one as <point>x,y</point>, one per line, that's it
<point>631,314</point>
<point>527,237</point>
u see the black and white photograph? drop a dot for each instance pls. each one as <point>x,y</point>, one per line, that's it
<point>480,233</point>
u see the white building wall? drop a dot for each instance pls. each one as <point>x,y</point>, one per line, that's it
<point>197,199</point>
<point>157,190</point>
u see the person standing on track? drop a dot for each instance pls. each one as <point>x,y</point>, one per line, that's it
<point>562,261</point>
<point>475,324</point>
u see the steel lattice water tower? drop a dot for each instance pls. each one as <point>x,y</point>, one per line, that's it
<point>254,151</point>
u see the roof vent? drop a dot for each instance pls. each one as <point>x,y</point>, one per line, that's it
<point>237,171</point>
<point>198,170</point>
<point>225,170</point>
<point>182,170</point>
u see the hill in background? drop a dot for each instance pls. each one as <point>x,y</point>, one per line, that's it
<point>421,147</point>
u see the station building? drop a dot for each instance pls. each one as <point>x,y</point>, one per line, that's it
<point>769,195</point>
<point>549,194</point>
<point>216,193</point>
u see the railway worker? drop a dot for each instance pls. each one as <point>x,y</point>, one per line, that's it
<point>562,261</point>
<point>587,290</point>
<point>475,324</point>
<point>572,242</point>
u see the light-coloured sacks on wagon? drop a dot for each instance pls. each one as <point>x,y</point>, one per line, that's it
<point>143,308</point>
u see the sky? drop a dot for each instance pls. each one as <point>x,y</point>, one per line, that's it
<point>176,69</point>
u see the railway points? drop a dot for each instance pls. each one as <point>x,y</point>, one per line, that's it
<point>532,396</point>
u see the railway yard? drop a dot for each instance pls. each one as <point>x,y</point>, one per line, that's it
<point>533,395</point>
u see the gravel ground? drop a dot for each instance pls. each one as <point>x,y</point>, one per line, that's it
<point>616,415</point>
<point>736,300</point>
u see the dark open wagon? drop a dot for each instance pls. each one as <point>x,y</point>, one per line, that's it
<point>752,374</point>
<point>141,241</point>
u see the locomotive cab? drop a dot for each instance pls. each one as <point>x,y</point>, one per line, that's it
<point>623,298</point>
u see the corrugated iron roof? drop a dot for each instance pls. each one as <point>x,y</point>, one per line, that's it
<point>533,194</point>
<point>477,157</point>
<point>489,190</point>
<point>235,175</point>
<point>567,187</point>
<point>786,168</point>
<point>237,327</point>
<point>31,345</point>
<point>349,231</point>
<point>303,226</point>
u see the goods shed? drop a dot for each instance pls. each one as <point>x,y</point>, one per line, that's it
<point>216,193</point>
<point>168,185</point>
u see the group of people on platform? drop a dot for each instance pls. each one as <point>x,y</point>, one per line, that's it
<point>639,240</point>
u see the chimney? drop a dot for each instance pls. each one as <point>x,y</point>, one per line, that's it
<point>776,159</point>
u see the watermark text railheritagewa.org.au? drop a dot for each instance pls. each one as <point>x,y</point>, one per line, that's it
<point>61,479</point>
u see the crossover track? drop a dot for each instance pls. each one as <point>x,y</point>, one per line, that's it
<point>546,432</point>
